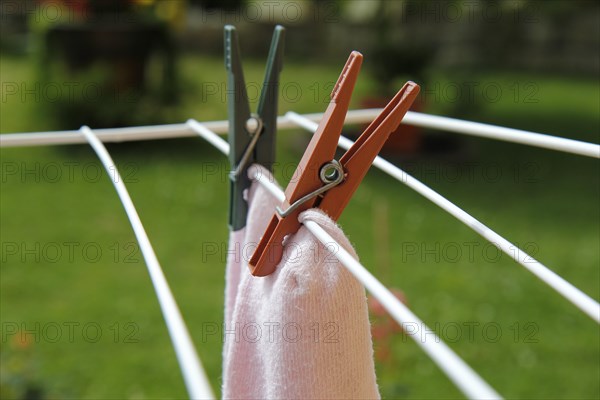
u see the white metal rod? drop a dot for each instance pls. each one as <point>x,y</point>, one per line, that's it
<point>353,117</point>
<point>131,133</point>
<point>581,300</point>
<point>209,136</point>
<point>463,376</point>
<point>503,133</point>
<point>482,130</point>
<point>194,376</point>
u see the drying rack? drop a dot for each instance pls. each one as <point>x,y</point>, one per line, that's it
<point>457,370</point>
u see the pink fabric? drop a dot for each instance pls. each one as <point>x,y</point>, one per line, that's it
<point>302,332</point>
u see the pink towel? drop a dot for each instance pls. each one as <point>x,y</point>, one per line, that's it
<point>302,332</point>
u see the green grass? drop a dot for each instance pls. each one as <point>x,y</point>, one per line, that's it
<point>551,209</point>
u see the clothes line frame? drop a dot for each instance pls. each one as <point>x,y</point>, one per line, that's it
<point>283,122</point>
<point>578,298</point>
<point>293,120</point>
<point>457,370</point>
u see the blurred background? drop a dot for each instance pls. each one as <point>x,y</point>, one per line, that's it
<point>79,316</point>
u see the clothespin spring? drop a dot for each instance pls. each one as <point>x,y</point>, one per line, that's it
<point>254,127</point>
<point>331,174</point>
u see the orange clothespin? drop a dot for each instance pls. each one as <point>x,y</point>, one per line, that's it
<point>319,180</point>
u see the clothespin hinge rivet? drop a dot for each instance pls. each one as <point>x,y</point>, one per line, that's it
<point>332,174</point>
<point>254,124</point>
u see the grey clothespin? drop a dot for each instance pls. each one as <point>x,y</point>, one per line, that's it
<point>251,136</point>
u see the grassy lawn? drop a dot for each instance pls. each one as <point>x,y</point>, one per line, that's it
<point>522,337</point>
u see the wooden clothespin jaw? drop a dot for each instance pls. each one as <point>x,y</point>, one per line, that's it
<point>251,136</point>
<point>319,180</point>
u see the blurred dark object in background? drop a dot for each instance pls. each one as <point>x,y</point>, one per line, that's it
<point>393,60</point>
<point>393,57</point>
<point>217,4</point>
<point>121,56</point>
